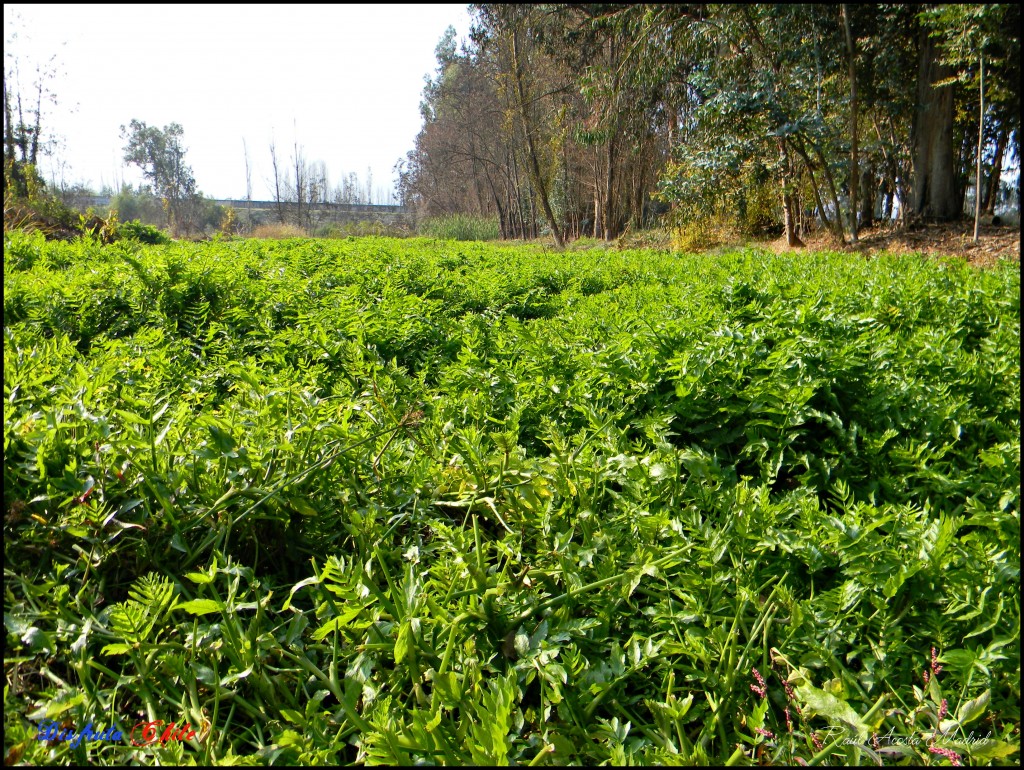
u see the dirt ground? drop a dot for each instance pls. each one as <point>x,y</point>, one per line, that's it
<point>952,239</point>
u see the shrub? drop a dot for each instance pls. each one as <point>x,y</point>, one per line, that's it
<point>229,222</point>
<point>141,205</point>
<point>208,214</point>
<point>278,231</point>
<point>461,227</point>
<point>42,211</point>
<point>29,206</point>
<point>650,238</point>
<point>717,207</point>
<point>702,234</point>
<point>147,234</point>
<point>362,229</point>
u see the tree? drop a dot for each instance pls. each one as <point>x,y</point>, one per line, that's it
<point>964,32</point>
<point>278,200</point>
<point>618,114</point>
<point>854,172</point>
<point>301,185</point>
<point>139,204</point>
<point>248,185</point>
<point>887,61</point>
<point>319,183</point>
<point>161,156</point>
<point>467,155</point>
<point>24,107</point>
<point>935,193</point>
<point>754,117</point>
<point>511,28</point>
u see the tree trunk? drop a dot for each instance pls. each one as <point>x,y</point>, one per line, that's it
<point>298,187</point>
<point>248,187</point>
<point>608,216</point>
<point>867,198</point>
<point>33,157</point>
<point>673,124</point>
<point>854,174</point>
<point>798,207</point>
<point>518,217</point>
<point>837,226</point>
<point>814,187</point>
<point>887,195</point>
<point>981,136</point>
<point>277,183</point>
<point>8,123</point>
<point>534,164</point>
<point>964,178</point>
<point>988,203</point>
<point>935,188</point>
<point>889,177</point>
<point>637,215</point>
<point>511,213</point>
<point>609,212</point>
<point>787,197</point>
<point>534,218</point>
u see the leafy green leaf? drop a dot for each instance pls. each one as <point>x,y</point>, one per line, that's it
<point>199,606</point>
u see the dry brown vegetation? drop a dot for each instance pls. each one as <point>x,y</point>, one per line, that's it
<point>948,239</point>
<point>952,239</point>
<point>279,231</point>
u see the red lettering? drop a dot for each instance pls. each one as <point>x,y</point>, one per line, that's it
<point>149,732</point>
<point>168,733</point>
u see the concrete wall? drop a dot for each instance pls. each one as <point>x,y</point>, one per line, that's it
<point>265,212</point>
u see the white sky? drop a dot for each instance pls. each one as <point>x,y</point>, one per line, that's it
<point>350,77</point>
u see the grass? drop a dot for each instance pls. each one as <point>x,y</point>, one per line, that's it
<point>409,501</point>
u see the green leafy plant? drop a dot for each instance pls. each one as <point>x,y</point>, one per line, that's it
<point>407,501</point>
<point>147,234</point>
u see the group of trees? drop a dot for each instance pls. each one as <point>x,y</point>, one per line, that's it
<point>169,184</point>
<point>158,152</point>
<point>26,93</point>
<point>300,187</point>
<point>582,119</point>
<point>586,119</point>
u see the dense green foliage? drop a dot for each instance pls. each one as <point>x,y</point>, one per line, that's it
<point>377,500</point>
<point>142,233</point>
<point>461,227</point>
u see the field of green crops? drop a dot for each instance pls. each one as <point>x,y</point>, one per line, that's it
<point>418,501</point>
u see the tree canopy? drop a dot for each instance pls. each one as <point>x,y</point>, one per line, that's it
<point>589,118</point>
<point>161,156</point>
